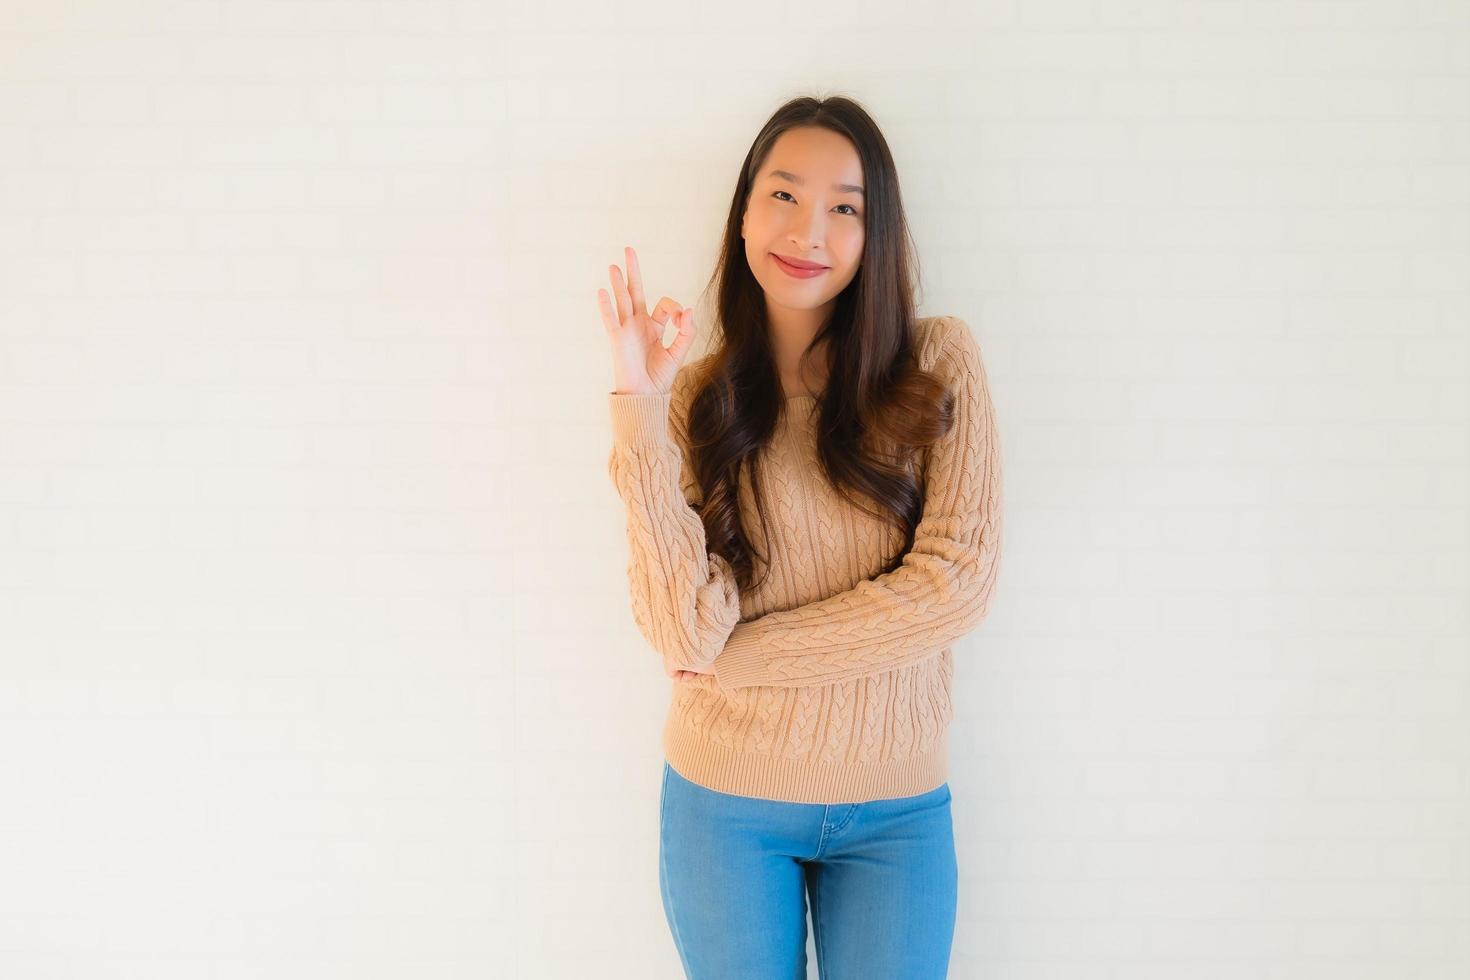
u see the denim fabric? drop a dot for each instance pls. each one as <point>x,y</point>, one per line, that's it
<point>735,873</point>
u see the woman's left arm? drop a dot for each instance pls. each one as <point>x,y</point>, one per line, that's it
<point>942,589</point>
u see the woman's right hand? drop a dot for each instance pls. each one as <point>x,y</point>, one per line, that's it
<point>641,363</point>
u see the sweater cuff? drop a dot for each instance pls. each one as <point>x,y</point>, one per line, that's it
<point>741,663</point>
<point>639,420</point>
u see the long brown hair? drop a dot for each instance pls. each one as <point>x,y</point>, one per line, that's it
<point>878,408</point>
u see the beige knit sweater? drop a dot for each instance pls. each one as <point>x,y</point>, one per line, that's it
<point>831,682</point>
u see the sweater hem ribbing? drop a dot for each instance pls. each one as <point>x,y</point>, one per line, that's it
<point>797,781</point>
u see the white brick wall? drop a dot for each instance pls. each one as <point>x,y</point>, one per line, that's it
<point>315,653</point>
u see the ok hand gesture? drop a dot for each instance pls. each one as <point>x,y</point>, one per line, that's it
<point>641,363</point>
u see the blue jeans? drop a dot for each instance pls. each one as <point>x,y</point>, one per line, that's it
<point>735,872</point>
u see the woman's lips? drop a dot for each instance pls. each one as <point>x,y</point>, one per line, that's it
<point>795,272</point>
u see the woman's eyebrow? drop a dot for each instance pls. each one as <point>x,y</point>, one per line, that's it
<point>788,175</point>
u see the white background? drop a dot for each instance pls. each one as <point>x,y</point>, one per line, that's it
<point>316,655</point>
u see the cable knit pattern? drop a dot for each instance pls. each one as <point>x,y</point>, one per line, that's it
<point>828,683</point>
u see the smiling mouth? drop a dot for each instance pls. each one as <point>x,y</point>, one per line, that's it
<point>799,263</point>
<point>797,271</point>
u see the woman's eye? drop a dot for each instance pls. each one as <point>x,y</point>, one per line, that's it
<point>851,211</point>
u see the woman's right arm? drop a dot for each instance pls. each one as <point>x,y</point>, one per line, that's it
<point>685,601</point>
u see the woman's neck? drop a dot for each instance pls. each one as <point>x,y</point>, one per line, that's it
<point>790,337</point>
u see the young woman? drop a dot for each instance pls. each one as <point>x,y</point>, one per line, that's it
<point>806,738</point>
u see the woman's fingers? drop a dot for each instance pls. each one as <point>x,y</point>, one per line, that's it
<point>703,680</point>
<point>635,281</point>
<point>666,308</point>
<point>604,306</point>
<point>626,300</point>
<point>685,321</point>
<point>620,293</point>
<point>629,292</point>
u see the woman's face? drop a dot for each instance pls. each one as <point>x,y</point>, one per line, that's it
<point>806,203</point>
